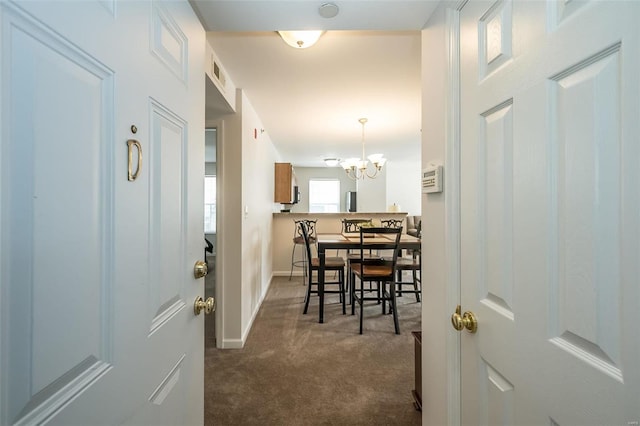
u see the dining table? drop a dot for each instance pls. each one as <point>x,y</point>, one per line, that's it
<point>349,241</point>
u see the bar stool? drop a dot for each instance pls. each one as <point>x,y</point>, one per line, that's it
<point>298,240</point>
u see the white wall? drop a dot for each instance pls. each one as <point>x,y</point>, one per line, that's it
<point>245,194</point>
<point>398,183</point>
<point>372,193</point>
<point>304,174</point>
<point>436,309</point>
<point>403,185</point>
<point>258,157</point>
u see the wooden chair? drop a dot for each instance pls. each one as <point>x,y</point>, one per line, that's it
<point>331,264</point>
<point>377,271</point>
<point>299,241</point>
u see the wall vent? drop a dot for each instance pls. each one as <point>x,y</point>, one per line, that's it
<point>219,75</point>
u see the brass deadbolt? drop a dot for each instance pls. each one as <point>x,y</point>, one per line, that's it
<point>200,269</point>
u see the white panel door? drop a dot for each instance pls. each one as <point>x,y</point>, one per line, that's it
<point>96,271</point>
<point>550,228</point>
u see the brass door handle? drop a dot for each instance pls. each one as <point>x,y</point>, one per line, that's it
<point>207,306</point>
<point>467,320</point>
<point>131,176</point>
<point>200,269</point>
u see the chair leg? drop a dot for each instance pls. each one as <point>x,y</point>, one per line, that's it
<point>382,296</point>
<point>343,294</point>
<point>396,323</point>
<point>361,305</point>
<point>306,299</point>
<point>352,290</point>
<point>415,285</point>
<point>293,253</point>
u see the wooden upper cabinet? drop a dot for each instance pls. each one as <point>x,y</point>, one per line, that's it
<point>285,182</point>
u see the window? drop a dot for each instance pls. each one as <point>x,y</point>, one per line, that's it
<point>210,204</point>
<point>324,195</point>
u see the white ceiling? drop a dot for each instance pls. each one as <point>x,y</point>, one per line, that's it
<point>367,64</point>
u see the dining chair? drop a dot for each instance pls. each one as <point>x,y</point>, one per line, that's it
<point>380,272</point>
<point>353,225</point>
<point>411,264</point>
<point>391,223</point>
<point>331,264</point>
<point>350,226</point>
<point>299,241</point>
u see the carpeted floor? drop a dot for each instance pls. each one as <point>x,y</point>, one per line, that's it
<point>295,371</point>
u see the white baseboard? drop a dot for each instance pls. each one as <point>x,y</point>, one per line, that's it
<point>286,273</point>
<point>239,343</point>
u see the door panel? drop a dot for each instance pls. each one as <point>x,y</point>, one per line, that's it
<point>52,201</point>
<point>549,225</point>
<point>168,200</point>
<point>95,290</point>
<point>586,276</point>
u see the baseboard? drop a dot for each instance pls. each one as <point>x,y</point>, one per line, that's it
<point>239,343</point>
<point>232,344</point>
<point>286,273</point>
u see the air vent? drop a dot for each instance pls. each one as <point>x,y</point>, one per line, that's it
<point>217,72</point>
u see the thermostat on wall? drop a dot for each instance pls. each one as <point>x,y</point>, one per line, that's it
<point>432,179</point>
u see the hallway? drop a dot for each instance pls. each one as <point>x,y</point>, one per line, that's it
<point>295,371</point>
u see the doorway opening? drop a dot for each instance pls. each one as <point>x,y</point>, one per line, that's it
<point>210,229</point>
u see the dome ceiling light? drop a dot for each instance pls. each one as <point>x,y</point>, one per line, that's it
<point>305,39</point>
<point>300,39</point>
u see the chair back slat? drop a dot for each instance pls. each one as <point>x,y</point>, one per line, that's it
<point>311,228</point>
<point>352,225</point>
<point>381,240</point>
<point>391,223</point>
<point>303,228</point>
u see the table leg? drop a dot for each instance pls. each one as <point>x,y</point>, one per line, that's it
<point>321,258</point>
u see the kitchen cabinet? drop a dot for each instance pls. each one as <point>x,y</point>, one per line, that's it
<point>285,184</point>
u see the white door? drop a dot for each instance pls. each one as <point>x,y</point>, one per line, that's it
<point>549,212</point>
<point>96,275</point>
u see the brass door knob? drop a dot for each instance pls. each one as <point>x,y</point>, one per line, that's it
<point>207,306</point>
<point>467,320</point>
<point>200,269</point>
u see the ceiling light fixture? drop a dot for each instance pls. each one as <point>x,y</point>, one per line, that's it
<point>331,162</point>
<point>356,168</point>
<point>300,39</point>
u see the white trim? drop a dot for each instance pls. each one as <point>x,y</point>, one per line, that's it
<point>452,210</point>
<point>220,242</point>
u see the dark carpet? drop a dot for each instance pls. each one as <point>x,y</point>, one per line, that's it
<point>295,371</point>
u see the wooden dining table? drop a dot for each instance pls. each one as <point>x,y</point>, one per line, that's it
<point>347,241</point>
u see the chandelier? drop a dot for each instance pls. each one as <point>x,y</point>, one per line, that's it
<point>357,168</point>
